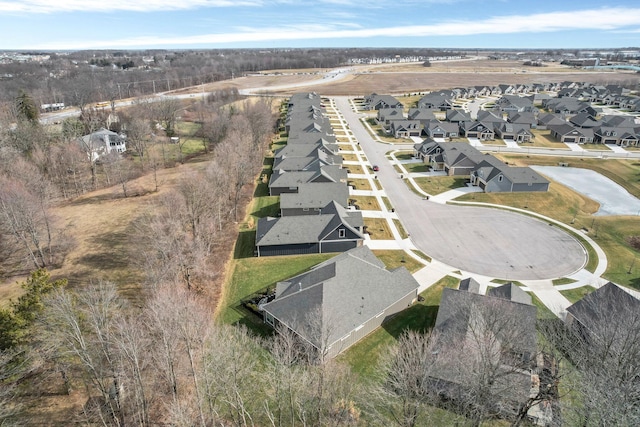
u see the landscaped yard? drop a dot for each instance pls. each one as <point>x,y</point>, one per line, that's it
<point>359,184</point>
<point>394,259</point>
<point>357,169</point>
<point>439,184</point>
<point>542,138</point>
<point>416,167</point>
<point>369,203</point>
<point>575,295</point>
<point>378,229</point>
<point>253,274</point>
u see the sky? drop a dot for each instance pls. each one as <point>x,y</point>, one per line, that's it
<point>184,24</point>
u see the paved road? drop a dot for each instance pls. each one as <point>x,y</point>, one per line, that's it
<point>478,240</point>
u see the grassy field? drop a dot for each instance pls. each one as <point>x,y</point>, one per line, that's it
<point>543,139</point>
<point>401,230</point>
<point>439,184</point>
<point>394,259</point>
<point>356,169</point>
<point>365,202</point>
<point>250,275</point>
<point>359,184</point>
<point>575,295</point>
<point>378,229</point>
<point>363,357</point>
<point>416,167</point>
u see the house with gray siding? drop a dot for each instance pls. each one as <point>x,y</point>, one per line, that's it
<point>340,301</point>
<point>494,176</point>
<point>335,229</point>
<point>312,197</point>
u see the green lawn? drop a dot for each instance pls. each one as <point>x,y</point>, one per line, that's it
<point>394,259</point>
<point>363,357</point>
<point>575,295</point>
<point>253,274</point>
<point>543,312</point>
<point>404,155</point>
<point>416,167</point>
<point>439,184</point>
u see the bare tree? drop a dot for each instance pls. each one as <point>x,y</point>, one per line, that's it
<point>402,392</point>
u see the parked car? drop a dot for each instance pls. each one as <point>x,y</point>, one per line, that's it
<point>375,168</point>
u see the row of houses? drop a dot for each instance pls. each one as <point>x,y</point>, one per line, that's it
<point>308,175</point>
<point>483,170</point>
<point>513,118</point>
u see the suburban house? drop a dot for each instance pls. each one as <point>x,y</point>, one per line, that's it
<point>334,229</point>
<point>405,128</point>
<point>515,103</point>
<point>525,118</point>
<point>457,115</point>
<point>493,176</point>
<point>441,101</point>
<point>101,143</point>
<point>549,119</point>
<point>568,133</point>
<point>312,197</point>
<point>598,316</point>
<point>488,117</point>
<point>479,130</point>
<point>484,170</point>
<point>438,129</point>
<point>584,120</point>
<point>282,181</point>
<point>423,115</point>
<point>514,131</point>
<point>386,115</point>
<point>470,327</point>
<point>340,301</point>
<point>377,102</point>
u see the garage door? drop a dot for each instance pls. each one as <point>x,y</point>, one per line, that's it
<point>569,140</point>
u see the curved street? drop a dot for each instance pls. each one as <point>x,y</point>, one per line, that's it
<point>479,240</point>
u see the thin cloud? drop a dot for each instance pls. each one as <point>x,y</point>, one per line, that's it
<point>49,6</point>
<point>601,19</point>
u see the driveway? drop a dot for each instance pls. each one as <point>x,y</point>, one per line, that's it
<point>484,241</point>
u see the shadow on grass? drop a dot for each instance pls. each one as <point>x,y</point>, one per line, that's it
<point>418,318</point>
<point>245,244</point>
<point>261,190</point>
<point>272,210</point>
<point>252,321</point>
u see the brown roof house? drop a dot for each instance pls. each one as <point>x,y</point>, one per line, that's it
<point>340,301</point>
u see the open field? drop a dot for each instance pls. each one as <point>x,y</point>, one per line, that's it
<point>411,78</point>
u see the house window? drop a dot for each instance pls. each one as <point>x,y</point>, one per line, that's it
<point>500,178</point>
<point>342,233</point>
<point>269,319</point>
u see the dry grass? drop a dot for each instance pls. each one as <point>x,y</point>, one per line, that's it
<point>378,228</point>
<point>360,184</point>
<point>368,203</point>
<point>356,169</point>
<point>543,138</point>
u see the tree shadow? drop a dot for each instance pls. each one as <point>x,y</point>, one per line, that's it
<point>419,317</point>
<point>245,244</point>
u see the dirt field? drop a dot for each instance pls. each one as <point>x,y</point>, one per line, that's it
<point>405,78</point>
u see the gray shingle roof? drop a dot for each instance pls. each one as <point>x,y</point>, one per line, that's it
<point>339,295</point>
<point>315,195</point>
